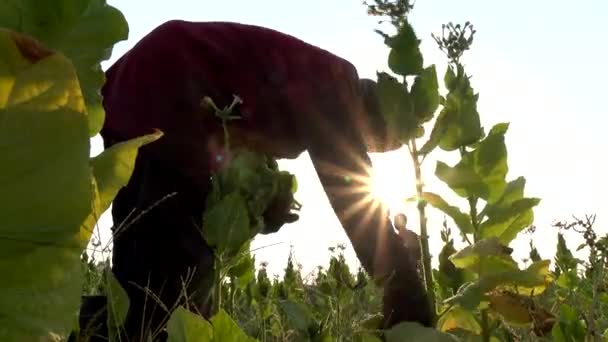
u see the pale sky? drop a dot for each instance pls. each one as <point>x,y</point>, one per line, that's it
<point>539,65</point>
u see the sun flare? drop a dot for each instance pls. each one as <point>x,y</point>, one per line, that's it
<point>386,186</point>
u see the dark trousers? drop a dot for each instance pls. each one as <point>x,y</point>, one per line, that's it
<point>159,255</point>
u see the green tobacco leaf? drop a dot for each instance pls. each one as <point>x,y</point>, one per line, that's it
<point>462,220</point>
<point>528,282</point>
<point>112,170</point>
<point>83,30</point>
<point>563,256</point>
<point>396,107</point>
<point>458,318</point>
<point>513,191</point>
<point>490,160</point>
<point>244,269</point>
<point>460,110</point>
<point>405,57</point>
<point>425,94</point>
<point>409,331</point>
<point>45,182</point>
<point>481,173</point>
<point>569,327</point>
<point>226,330</point>
<point>226,224</point>
<point>118,304</point>
<point>113,167</point>
<point>300,316</point>
<point>510,306</point>
<point>506,223</point>
<point>440,128</point>
<point>484,253</point>
<point>186,326</point>
<point>469,296</point>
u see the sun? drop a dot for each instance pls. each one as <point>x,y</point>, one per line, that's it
<point>388,185</point>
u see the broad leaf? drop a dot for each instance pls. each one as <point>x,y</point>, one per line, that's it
<point>226,224</point>
<point>471,257</point>
<point>396,107</point>
<point>118,304</point>
<point>226,330</point>
<point>481,173</point>
<point>46,188</point>
<point>299,315</point>
<point>440,128</point>
<point>113,167</point>
<point>469,296</point>
<point>460,111</point>
<point>112,170</point>
<point>458,318</point>
<point>425,94</point>
<point>507,222</point>
<point>405,57</point>
<point>83,30</point>
<point>462,220</point>
<point>514,308</point>
<point>409,331</point>
<point>186,326</point>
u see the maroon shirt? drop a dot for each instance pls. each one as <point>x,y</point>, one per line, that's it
<point>282,81</point>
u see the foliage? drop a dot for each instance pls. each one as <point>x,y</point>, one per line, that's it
<point>46,124</point>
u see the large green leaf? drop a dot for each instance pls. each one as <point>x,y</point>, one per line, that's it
<point>83,30</point>
<point>440,128</point>
<point>480,173</point>
<point>425,94</point>
<point>226,330</point>
<point>113,167</point>
<point>510,214</point>
<point>226,224</point>
<point>405,57</point>
<point>396,107</point>
<point>482,254</point>
<point>298,314</point>
<point>409,331</point>
<point>461,125</point>
<point>458,318</point>
<point>46,188</point>
<point>462,220</point>
<point>507,222</point>
<point>118,304</point>
<point>185,326</point>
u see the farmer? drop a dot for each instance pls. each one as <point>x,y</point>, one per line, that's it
<point>295,98</point>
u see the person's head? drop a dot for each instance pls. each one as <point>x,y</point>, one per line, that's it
<point>377,135</point>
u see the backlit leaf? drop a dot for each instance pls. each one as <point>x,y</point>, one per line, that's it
<point>83,30</point>
<point>462,220</point>
<point>45,187</point>
<point>186,326</point>
<point>396,107</point>
<point>405,57</point>
<point>425,94</point>
<point>458,318</point>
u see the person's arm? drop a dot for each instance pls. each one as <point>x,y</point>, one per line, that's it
<point>340,158</point>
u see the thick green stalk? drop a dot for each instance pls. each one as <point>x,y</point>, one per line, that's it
<point>485,326</point>
<point>427,271</point>
<point>217,288</point>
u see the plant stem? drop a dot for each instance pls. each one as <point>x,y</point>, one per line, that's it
<point>485,329</point>
<point>427,271</point>
<point>217,288</point>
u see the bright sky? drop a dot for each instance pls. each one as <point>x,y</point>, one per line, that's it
<point>537,64</point>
